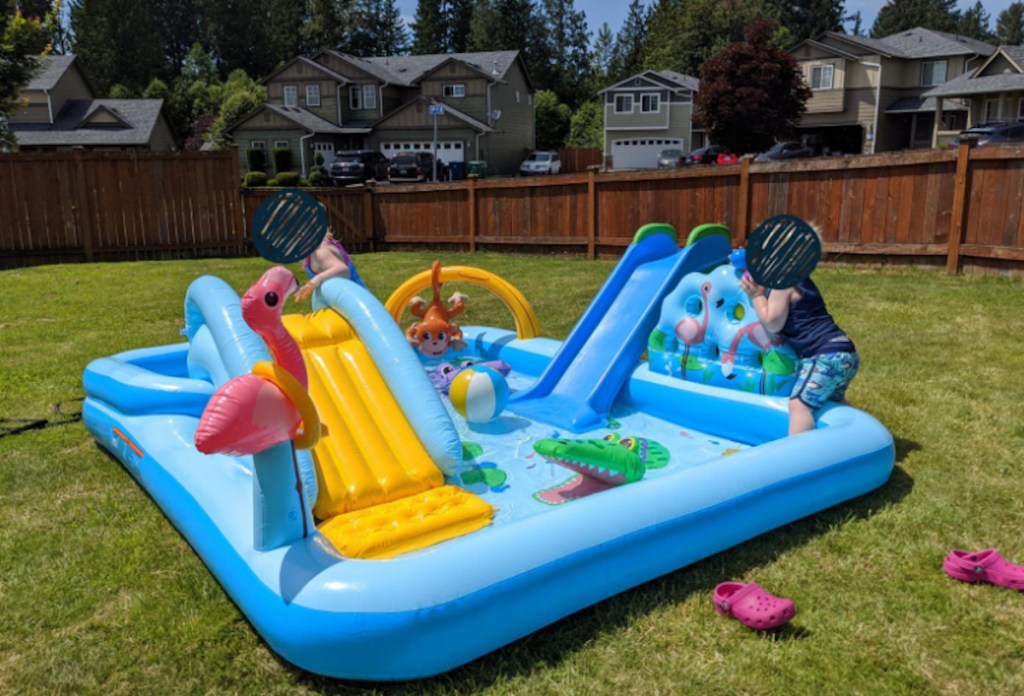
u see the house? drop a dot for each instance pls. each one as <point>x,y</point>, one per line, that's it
<point>993,92</point>
<point>872,95</point>
<point>648,113</point>
<point>476,106</point>
<point>60,112</point>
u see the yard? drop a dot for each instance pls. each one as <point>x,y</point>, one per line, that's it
<point>102,595</point>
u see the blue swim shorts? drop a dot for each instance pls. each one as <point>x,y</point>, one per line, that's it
<point>825,378</point>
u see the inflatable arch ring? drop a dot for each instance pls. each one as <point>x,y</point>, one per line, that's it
<point>527,325</point>
<point>283,380</point>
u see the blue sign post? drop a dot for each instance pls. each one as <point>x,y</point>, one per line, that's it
<point>435,111</point>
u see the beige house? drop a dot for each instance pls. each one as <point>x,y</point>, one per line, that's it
<point>466,106</point>
<point>60,112</point>
<point>647,113</point>
<point>873,95</point>
<point>993,92</point>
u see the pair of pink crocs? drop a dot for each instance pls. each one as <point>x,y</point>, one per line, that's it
<point>751,605</point>
<point>984,566</point>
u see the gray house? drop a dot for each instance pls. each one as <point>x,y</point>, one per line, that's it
<point>60,112</point>
<point>648,113</point>
<point>479,105</point>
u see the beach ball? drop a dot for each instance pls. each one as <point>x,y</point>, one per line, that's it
<point>479,393</point>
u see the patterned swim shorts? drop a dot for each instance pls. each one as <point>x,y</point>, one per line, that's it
<point>825,378</point>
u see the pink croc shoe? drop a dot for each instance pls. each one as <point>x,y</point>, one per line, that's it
<point>752,606</point>
<point>984,566</point>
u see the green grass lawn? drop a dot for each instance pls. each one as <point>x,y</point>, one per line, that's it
<point>100,594</point>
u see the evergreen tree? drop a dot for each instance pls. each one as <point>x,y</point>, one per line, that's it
<point>567,51</point>
<point>509,25</point>
<point>974,23</point>
<point>22,40</point>
<point>627,53</point>
<point>900,15</point>
<point>751,93</point>
<point>378,29</point>
<point>808,18</point>
<point>429,30</point>
<point>180,24</point>
<point>117,41</point>
<point>858,24</point>
<point>1010,25</point>
<point>324,27</point>
<point>458,18</point>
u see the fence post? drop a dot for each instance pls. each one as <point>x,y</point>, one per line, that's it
<point>471,189</point>
<point>959,215</point>
<point>591,213</point>
<point>239,212</point>
<point>369,219</point>
<point>81,205</point>
<point>743,214</point>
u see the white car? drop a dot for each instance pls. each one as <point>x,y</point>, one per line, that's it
<point>541,162</point>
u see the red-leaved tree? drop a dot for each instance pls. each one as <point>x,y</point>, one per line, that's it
<point>751,93</point>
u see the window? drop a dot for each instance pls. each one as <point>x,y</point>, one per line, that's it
<point>362,97</point>
<point>623,103</point>
<point>281,145</point>
<point>258,145</point>
<point>312,95</point>
<point>454,91</point>
<point>1020,109</point>
<point>649,103</point>
<point>291,95</point>
<point>933,72</point>
<point>821,76</point>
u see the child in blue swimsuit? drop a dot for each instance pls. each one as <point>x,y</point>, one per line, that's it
<point>329,260</point>
<point>828,358</point>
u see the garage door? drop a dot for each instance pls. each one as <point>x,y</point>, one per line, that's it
<point>447,150</point>
<point>641,153</point>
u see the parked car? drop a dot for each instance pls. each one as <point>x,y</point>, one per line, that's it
<point>541,162</point>
<point>992,134</point>
<point>412,166</point>
<point>671,158</point>
<point>358,166</point>
<point>704,155</point>
<point>790,149</point>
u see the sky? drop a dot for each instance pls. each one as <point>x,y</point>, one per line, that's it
<point>614,11</point>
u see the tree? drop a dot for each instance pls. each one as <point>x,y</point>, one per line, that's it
<point>117,41</point>
<point>508,25</point>
<point>900,15</point>
<point>241,96</point>
<point>567,50</point>
<point>1010,25</point>
<point>180,24</point>
<point>809,18</point>
<point>429,30</point>
<point>858,24</point>
<point>22,40</point>
<point>627,52</point>
<point>325,26</point>
<point>552,120</point>
<point>378,29</point>
<point>751,93</point>
<point>586,128</point>
<point>458,18</point>
<point>974,23</point>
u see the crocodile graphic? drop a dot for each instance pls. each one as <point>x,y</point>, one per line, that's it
<point>599,464</point>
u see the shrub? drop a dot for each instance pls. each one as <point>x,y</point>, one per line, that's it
<point>255,179</point>
<point>318,159</point>
<point>287,178</point>
<point>272,183</point>
<point>318,176</point>
<point>257,159</point>
<point>282,159</point>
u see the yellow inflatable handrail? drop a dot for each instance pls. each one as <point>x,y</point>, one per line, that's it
<point>526,321</point>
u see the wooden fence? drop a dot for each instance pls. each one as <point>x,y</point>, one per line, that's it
<point>960,209</point>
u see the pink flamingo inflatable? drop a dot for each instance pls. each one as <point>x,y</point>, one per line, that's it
<point>756,334</point>
<point>269,406</point>
<point>691,331</point>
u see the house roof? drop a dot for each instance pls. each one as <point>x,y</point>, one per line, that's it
<point>974,82</point>
<point>928,43</point>
<point>310,63</point>
<point>306,120</point>
<point>51,68</point>
<point>407,70</point>
<point>668,78</point>
<point>449,110</point>
<point>920,105</point>
<point>135,121</point>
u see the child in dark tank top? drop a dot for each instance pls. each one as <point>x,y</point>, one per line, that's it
<point>828,358</point>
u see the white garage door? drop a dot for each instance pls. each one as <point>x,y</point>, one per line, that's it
<point>641,153</point>
<point>447,150</point>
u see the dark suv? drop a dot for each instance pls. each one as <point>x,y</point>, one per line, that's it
<point>358,166</point>
<point>412,166</point>
<point>992,134</point>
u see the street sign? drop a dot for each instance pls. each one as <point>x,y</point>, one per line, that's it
<point>436,109</point>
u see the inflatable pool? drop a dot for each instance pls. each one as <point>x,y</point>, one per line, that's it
<point>407,540</point>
